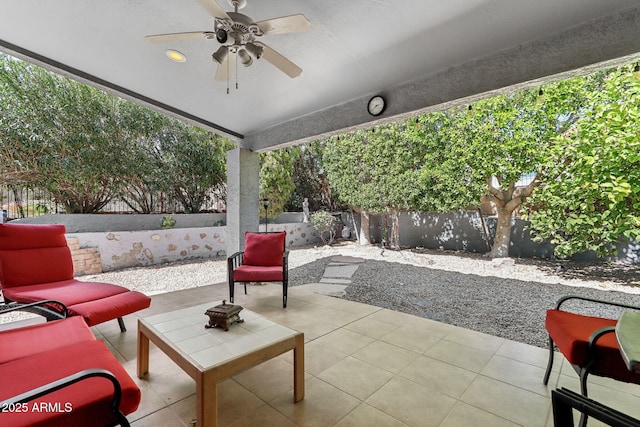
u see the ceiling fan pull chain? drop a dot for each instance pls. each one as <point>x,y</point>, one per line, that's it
<point>236,72</point>
<point>228,76</point>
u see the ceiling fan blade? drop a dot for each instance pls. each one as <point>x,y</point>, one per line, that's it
<point>280,62</point>
<point>227,68</point>
<point>214,8</point>
<point>286,24</point>
<point>177,37</point>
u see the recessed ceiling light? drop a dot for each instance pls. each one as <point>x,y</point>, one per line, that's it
<point>174,55</point>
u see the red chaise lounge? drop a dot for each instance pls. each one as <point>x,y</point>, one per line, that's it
<point>36,265</point>
<point>58,374</point>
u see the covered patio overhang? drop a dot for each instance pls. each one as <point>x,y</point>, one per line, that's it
<point>419,55</point>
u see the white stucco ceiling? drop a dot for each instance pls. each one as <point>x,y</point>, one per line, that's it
<point>418,53</point>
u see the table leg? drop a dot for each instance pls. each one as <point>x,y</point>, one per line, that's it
<point>298,369</point>
<point>206,401</point>
<point>143,354</point>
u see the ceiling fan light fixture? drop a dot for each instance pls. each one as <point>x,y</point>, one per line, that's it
<point>176,56</point>
<point>254,49</point>
<point>220,54</point>
<point>221,36</point>
<point>245,58</point>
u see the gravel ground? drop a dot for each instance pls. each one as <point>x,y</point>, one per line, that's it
<point>506,298</point>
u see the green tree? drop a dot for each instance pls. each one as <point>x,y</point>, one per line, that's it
<point>194,163</point>
<point>71,129</point>
<point>311,181</point>
<point>591,198</point>
<point>479,154</point>
<point>87,147</point>
<point>377,171</point>
<point>276,179</point>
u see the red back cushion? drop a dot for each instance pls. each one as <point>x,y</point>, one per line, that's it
<point>264,248</point>
<point>32,254</point>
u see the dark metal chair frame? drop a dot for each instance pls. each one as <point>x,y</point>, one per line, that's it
<point>584,371</point>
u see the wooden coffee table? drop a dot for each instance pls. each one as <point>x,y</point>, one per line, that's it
<point>209,355</point>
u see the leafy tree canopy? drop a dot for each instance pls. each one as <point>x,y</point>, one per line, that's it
<point>591,197</point>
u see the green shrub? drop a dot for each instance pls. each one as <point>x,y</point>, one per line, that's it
<point>324,222</point>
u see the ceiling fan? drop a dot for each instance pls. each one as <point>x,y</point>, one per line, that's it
<point>237,34</point>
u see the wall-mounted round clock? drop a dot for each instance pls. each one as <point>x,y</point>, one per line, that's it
<point>376,105</point>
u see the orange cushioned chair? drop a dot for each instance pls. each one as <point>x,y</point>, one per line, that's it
<point>36,265</point>
<point>587,342</point>
<point>264,259</point>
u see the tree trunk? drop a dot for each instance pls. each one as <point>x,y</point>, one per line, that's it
<point>506,202</point>
<point>365,235</point>
<point>502,240</point>
<point>18,200</point>
<point>394,239</point>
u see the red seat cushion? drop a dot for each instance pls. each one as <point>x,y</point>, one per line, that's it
<point>96,302</point>
<point>87,400</point>
<point>253,273</point>
<point>25,341</point>
<point>264,249</point>
<point>31,254</point>
<point>14,236</point>
<point>68,292</point>
<point>571,332</point>
<point>105,309</point>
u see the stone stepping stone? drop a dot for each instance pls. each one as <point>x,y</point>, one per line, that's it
<point>340,271</point>
<point>335,280</point>
<point>347,259</point>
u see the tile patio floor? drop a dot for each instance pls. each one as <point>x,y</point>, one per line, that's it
<point>364,366</point>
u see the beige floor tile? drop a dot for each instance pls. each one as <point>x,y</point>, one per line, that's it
<point>318,357</point>
<point>411,403</point>
<point>516,373</point>
<point>340,317</point>
<point>186,410</point>
<point>356,377</point>
<point>526,353</point>
<point>412,338</point>
<point>170,382</point>
<point>268,380</point>
<point>151,401</point>
<point>393,317</point>
<point>386,356</point>
<point>370,327</point>
<point>439,376</point>
<point>236,402</point>
<point>344,340</point>
<point>264,416</point>
<point>475,339</point>
<point>313,329</point>
<point>463,415</point>
<point>469,358</point>
<point>366,415</point>
<point>164,418</point>
<point>350,348</point>
<point>323,405</point>
<point>506,401</point>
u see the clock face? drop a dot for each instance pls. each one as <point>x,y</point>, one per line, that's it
<point>376,105</point>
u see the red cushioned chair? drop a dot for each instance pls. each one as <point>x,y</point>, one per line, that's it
<point>588,343</point>
<point>264,259</point>
<point>36,264</point>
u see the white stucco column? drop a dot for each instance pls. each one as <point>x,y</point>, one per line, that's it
<point>243,192</point>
